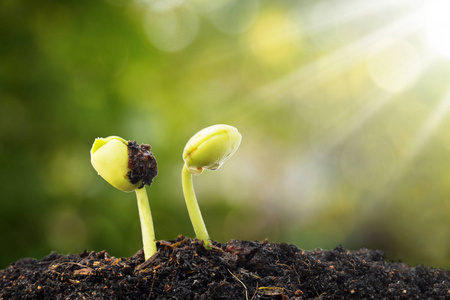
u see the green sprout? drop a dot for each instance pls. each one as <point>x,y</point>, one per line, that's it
<point>128,167</point>
<point>207,149</point>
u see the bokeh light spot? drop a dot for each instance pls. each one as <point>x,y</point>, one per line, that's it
<point>236,16</point>
<point>172,30</point>
<point>275,39</point>
<point>393,64</point>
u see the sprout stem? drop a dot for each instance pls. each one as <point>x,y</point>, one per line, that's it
<point>148,233</point>
<point>193,208</point>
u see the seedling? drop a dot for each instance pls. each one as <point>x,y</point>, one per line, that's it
<point>208,149</point>
<point>128,167</point>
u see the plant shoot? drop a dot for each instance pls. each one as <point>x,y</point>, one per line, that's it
<point>128,167</point>
<point>208,149</point>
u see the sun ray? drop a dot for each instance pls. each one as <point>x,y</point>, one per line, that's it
<point>294,86</point>
<point>371,103</point>
<point>342,12</point>
<point>427,130</point>
<point>338,60</point>
<point>418,144</point>
<point>306,79</point>
<point>436,24</point>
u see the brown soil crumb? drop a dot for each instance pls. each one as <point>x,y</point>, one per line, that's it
<point>183,269</point>
<point>142,164</point>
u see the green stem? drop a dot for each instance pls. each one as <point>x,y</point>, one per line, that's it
<point>193,208</point>
<point>148,233</point>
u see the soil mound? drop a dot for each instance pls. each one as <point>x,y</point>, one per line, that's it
<point>183,269</point>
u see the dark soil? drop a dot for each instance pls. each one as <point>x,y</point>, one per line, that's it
<point>142,164</point>
<point>183,269</point>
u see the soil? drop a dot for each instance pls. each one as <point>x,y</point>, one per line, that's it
<point>142,164</point>
<point>183,269</point>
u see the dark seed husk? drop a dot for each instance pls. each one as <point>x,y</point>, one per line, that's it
<point>142,164</point>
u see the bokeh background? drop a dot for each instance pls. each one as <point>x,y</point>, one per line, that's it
<point>343,107</point>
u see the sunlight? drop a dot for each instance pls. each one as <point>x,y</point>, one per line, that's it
<point>338,60</point>
<point>275,39</point>
<point>394,64</point>
<point>437,23</point>
<point>305,79</point>
<point>344,14</point>
<point>373,101</point>
<point>430,126</point>
<point>420,141</point>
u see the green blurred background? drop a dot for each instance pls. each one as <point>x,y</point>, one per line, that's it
<point>342,106</point>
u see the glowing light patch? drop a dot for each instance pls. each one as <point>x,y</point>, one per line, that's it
<point>275,39</point>
<point>172,30</point>
<point>394,65</point>
<point>437,23</point>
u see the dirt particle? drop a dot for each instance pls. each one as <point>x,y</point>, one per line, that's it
<point>83,271</point>
<point>142,164</point>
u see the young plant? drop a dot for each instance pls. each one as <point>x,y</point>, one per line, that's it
<point>208,149</point>
<point>128,167</point>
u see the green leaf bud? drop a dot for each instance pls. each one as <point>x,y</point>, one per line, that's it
<point>210,148</point>
<point>128,166</point>
<point>125,165</point>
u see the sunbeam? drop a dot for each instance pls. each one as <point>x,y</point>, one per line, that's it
<point>302,80</point>
<point>294,86</point>
<point>414,149</point>
<point>427,129</point>
<point>437,23</point>
<point>325,16</point>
